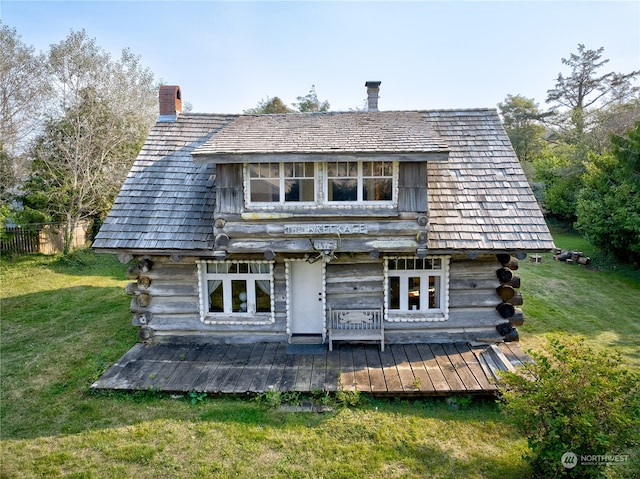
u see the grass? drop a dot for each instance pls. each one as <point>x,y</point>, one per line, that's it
<point>64,321</point>
<point>599,303</point>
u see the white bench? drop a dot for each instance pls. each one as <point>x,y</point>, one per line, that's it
<point>356,325</point>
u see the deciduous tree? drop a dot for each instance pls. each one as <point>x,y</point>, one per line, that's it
<point>23,92</point>
<point>101,116</point>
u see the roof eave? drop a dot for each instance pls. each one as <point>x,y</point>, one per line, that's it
<point>267,157</point>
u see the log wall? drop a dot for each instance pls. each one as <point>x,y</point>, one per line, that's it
<point>165,301</point>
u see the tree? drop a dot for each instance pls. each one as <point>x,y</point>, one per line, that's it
<point>310,103</point>
<point>521,118</point>
<point>585,90</point>
<point>306,104</point>
<point>23,92</point>
<point>608,206</point>
<point>270,105</point>
<point>101,116</point>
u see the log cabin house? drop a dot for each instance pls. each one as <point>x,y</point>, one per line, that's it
<point>393,226</point>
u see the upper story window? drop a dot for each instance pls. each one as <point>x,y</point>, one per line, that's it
<point>366,183</point>
<point>359,181</point>
<point>282,182</point>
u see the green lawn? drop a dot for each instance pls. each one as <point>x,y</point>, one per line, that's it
<point>64,322</point>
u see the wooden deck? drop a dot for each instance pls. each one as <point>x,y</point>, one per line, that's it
<point>412,369</point>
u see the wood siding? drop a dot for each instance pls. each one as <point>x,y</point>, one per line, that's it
<point>412,187</point>
<point>229,191</point>
<point>171,305</point>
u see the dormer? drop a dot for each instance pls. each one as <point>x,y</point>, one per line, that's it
<point>324,163</point>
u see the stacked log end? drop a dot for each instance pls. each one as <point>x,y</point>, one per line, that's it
<point>571,257</point>
<point>141,297</point>
<point>510,298</point>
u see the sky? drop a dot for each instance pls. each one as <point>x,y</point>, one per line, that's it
<point>228,55</point>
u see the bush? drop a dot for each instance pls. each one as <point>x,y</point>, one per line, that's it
<point>573,399</point>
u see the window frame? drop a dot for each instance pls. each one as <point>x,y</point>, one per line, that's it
<point>360,183</point>
<point>228,316</point>
<point>282,180</point>
<point>321,187</point>
<point>424,313</point>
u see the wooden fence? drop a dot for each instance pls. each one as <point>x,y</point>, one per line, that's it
<point>45,238</point>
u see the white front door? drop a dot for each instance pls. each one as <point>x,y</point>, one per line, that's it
<point>305,296</point>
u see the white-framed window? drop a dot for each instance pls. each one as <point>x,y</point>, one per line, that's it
<point>236,292</point>
<point>417,289</point>
<point>311,185</point>
<point>359,181</point>
<point>285,182</point>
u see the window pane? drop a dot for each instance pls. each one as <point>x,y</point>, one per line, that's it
<point>414,293</point>
<point>263,296</point>
<point>265,191</point>
<point>254,171</point>
<point>239,296</point>
<point>434,292</point>
<point>394,292</point>
<point>216,301</point>
<point>377,189</point>
<point>343,190</point>
<point>299,190</point>
<point>289,170</point>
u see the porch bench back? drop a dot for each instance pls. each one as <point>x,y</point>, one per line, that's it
<point>356,325</point>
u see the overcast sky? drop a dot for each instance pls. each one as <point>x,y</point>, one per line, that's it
<point>226,56</point>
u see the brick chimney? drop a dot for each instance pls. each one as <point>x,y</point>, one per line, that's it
<point>373,88</point>
<point>170,100</point>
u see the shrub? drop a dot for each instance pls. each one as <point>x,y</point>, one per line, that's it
<point>573,399</point>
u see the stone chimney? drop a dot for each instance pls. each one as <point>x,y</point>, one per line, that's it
<point>373,88</point>
<point>170,99</point>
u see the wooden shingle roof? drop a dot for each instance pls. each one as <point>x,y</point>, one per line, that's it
<point>166,201</point>
<point>386,132</point>
<point>479,198</point>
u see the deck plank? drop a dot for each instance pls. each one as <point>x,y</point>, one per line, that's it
<point>408,369</point>
<point>261,376</point>
<point>474,366</point>
<point>361,369</point>
<point>237,369</point>
<point>210,368</point>
<point>347,374</point>
<point>390,370</point>
<point>332,375</point>
<point>462,369</point>
<point>304,365</point>
<point>274,378</point>
<point>447,368</point>
<point>250,368</point>
<point>226,363</point>
<point>423,380</point>
<point>376,375</point>
<point>319,372</point>
<point>433,368</point>
<point>289,372</point>
<point>407,379</point>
